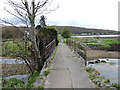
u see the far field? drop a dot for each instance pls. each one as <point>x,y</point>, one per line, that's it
<point>107,44</point>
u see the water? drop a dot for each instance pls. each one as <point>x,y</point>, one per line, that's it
<point>107,70</point>
<point>24,78</point>
<point>11,61</point>
<point>98,36</point>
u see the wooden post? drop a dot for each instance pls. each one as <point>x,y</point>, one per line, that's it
<point>85,52</point>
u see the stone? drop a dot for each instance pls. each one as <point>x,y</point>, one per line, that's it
<point>112,88</point>
<point>105,84</point>
<point>97,61</point>
<point>91,62</point>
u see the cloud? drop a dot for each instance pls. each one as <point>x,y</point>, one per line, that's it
<point>83,13</point>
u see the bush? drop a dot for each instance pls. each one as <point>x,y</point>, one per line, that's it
<point>116,85</point>
<point>66,33</point>
<point>46,72</point>
<point>48,34</point>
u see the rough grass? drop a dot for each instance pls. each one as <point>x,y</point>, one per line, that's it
<point>95,41</point>
<point>15,83</point>
<point>59,39</point>
<point>14,48</point>
<point>12,83</point>
<point>46,72</point>
<point>111,41</point>
<point>102,44</point>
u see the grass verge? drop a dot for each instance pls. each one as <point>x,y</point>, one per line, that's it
<point>16,83</point>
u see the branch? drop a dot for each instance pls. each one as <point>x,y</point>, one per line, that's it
<point>28,11</point>
<point>14,15</point>
<point>39,6</point>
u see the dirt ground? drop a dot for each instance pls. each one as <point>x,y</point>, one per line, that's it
<point>13,69</point>
<point>102,54</point>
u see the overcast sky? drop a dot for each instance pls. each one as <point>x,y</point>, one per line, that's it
<point>101,14</point>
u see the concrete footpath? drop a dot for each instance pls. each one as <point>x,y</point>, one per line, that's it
<point>67,71</point>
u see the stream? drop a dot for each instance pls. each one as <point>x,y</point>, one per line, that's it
<point>24,78</point>
<point>11,61</point>
<point>108,71</point>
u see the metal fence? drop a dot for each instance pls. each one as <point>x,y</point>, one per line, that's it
<point>79,48</point>
<point>48,51</point>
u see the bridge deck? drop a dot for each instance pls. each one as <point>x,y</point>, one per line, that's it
<point>67,71</point>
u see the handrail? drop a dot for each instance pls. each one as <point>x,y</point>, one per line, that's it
<point>79,48</point>
<point>50,43</point>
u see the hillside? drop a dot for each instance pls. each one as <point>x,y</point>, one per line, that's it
<point>76,30</point>
<point>80,30</point>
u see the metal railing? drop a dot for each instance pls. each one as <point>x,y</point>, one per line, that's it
<point>79,48</point>
<point>49,49</point>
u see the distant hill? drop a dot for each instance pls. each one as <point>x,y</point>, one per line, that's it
<point>80,30</point>
<point>74,30</point>
<point>2,25</point>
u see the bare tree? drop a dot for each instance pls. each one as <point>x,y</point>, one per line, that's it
<point>27,11</point>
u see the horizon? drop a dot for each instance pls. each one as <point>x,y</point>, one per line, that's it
<point>58,26</point>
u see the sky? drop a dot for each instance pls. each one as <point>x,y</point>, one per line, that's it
<point>101,14</point>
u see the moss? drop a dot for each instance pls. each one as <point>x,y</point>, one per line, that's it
<point>103,61</point>
<point>90,70</point>
<point>106,81</point>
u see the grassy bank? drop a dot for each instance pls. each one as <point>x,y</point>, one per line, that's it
<point>15,83</point>
<point>13,48</point>
<point>100,44</point>
<point>100,81</point>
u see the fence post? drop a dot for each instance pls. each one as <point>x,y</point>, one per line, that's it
<point>85,52</point>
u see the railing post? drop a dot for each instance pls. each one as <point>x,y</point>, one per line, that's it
<point>85,52</point>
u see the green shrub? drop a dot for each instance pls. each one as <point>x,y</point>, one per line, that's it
<point>66,33</point>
